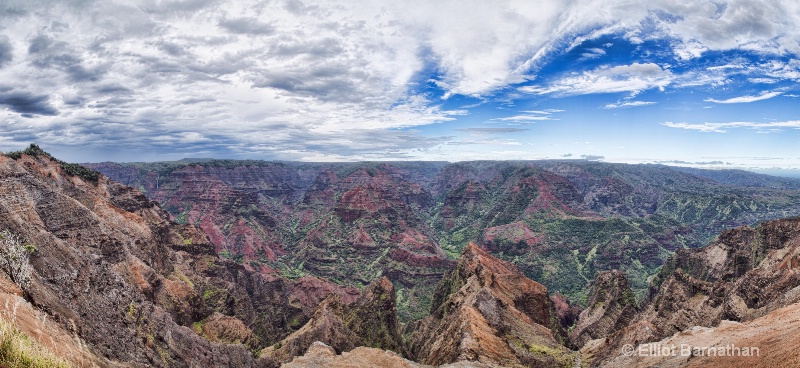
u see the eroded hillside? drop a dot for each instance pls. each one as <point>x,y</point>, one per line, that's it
<point>561,222</point>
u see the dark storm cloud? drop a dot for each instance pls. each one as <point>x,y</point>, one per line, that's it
<point>6,51</point>
<point>247,26</point>
<point>26,102</point>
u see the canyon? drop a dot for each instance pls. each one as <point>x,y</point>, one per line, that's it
<point>513,264</point>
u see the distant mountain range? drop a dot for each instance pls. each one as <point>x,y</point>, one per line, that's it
<point>561,222</point>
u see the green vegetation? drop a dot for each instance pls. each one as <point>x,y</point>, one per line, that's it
<point>560,222</point>
<point>197,327</point>
<point>20,350</point>
<point>70,169</point>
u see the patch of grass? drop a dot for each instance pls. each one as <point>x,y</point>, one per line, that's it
<point>198,327</point>
<point>20,350</point>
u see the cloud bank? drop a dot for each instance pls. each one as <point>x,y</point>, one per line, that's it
<point>343,80</point>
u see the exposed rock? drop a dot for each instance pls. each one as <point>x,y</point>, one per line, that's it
<point>115,274</point>
<point>370,321</point>
<point>745,274</point>
<point>488,311</point>
<point>231,330</point>
<point>610,308</point>
<point>373,317</point>
<point>730,344</point>
<point>48,333</point>
<point>326,325</point>
<point>321,355</point>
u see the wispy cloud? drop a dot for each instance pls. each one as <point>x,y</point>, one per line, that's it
<point>593,53</point>
<point>633,78</point>
<point>624,104</point>
<point>745,99</point>
<point>724,127</point>
<point>529,116</point>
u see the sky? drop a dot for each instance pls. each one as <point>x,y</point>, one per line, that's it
<point>691,83</point>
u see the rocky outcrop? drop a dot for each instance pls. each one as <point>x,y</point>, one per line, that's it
<point>369,321</point>
<point>321,355</point>
<point>487,311</point>
<point>746,274</point>
<point>610,308</point>
<point>111,269</point>
<point>99,271</point>
<point>767,341</point>
<point>230,330</point>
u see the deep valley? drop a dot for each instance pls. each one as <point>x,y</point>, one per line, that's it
<point>253,263</point>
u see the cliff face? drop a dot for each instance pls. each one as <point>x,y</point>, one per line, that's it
<point>109,268</point>
<point>729,344</point>
<point>746,274</point>
<point>370,321</point>
<point>487,311</point>
<point>610,307</point>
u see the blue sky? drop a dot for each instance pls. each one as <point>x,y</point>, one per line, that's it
<point>700,83</point>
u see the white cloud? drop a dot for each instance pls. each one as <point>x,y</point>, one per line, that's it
<point>629,104</point>
<point>763,80</point>
<point>745,99</point>
<point>723,127</point>
<point>593,53</point>
<point>227,75</point>
<point>633,78</point>
<point>528,116</point>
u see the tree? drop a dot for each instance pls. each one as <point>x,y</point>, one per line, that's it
<point>14,258</point>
